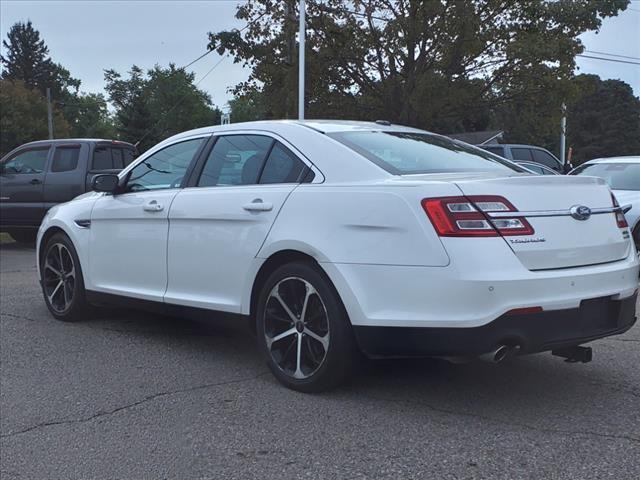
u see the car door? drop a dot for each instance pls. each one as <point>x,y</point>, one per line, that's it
<point>218,224</point>
<point>128,242</point>
<point>22,177</point>
<point>65,175</point>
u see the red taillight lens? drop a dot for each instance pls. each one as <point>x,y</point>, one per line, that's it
<point>466,217</point>
<point>620,218</point>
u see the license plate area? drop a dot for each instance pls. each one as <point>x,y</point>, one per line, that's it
<point>599,314</point>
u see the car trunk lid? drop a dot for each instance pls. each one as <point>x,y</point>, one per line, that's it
<point>560,240</point>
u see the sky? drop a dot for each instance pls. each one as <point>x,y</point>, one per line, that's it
<point>90,36</point>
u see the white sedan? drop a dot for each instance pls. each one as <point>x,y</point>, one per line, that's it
<point>342,238</point>
<point>623,176</point>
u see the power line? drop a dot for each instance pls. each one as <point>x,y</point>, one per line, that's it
<point>612,54</point>
<point>239,31</point>
<point>608,59</point>
<point>180,100</point>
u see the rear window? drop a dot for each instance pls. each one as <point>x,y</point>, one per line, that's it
<point>106,157</point>
<point>402,153</point>
<point>619,176</point>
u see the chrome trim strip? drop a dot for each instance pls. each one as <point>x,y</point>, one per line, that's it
<point>550,213</point>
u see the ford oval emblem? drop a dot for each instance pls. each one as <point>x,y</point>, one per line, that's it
<point>580,212</point>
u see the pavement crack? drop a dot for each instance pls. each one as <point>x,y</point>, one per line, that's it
<point>505,422</point>
<point>146,399</point>
<point>20,317</point>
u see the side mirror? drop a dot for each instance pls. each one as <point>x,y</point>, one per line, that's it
<point>107,182</point>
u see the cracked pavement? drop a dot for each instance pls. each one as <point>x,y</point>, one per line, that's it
<point>137,396</point>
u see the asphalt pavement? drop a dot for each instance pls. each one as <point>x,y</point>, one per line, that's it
<point>131,395</point>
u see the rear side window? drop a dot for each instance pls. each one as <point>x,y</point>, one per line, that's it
<point>546,159</point>
<point>523,154</point>
<point>282,166</point>
<point>235,160</point>
<point>27,161</point>
<point>111,158</point>
<point>401,153</point>
<point>65,159</point>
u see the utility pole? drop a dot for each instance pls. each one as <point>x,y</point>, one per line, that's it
<point>563,132</point>
<point>301,39</point>
<point>49,114</point>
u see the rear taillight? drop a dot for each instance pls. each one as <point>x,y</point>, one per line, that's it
<point>620,218</point>
<point>465,217</point>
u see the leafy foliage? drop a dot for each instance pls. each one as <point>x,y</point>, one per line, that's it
<point>157,105</point>
<point>444,66</point>
<point>604,121</point>
<point>28,60</point>
<point>24,116</point>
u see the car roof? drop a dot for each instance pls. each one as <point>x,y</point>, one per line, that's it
<point>75,140</point>
<point>627,159</point>
<point>322,126</point>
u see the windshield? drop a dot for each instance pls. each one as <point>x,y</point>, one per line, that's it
<point>619,176</point>
<point>403,153</point>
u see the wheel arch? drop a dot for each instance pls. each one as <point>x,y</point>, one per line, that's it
<point>48,233</point>
<point>274,261</point>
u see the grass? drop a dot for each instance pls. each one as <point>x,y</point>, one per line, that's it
<point>5,238</point>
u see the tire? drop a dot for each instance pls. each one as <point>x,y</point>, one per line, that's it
<point>311,352</point>
<point>62,280</point>
<point>636,237</point>
<point>24,236</point>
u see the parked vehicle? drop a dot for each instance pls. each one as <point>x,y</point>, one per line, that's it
<point>342,237</point>
<point>623,176</point>
<point>538,168</point>
<point>526,153</point>
<point>38,175</point>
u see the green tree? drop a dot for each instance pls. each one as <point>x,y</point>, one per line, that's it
<point>444,66</point>
<point>604,121</point>
<point>158,104</point>
<point>248,107</point>
<point>89,116</point>
<point>23,116</point>
<point>27,59</point>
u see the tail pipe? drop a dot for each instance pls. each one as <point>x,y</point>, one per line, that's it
<point>499,354</point>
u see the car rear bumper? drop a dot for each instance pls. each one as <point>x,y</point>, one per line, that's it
<point>533,332</point>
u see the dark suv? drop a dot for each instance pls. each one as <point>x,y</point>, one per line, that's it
<point>38,175</point>
<point>525,153</point>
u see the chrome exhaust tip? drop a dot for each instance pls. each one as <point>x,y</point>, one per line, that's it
<point>499,354</point>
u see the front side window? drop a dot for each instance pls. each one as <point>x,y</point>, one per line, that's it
<point>165,168</point>
<point>65,159</point>
<point>29,161</point>
<point>235,160</point>
<point>405,153</point>
<point>619,176</point>
<point>546,159</point>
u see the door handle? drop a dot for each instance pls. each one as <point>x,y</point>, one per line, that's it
<point>35,181</point>
<point>153,206</point>
<point>257,205</point>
